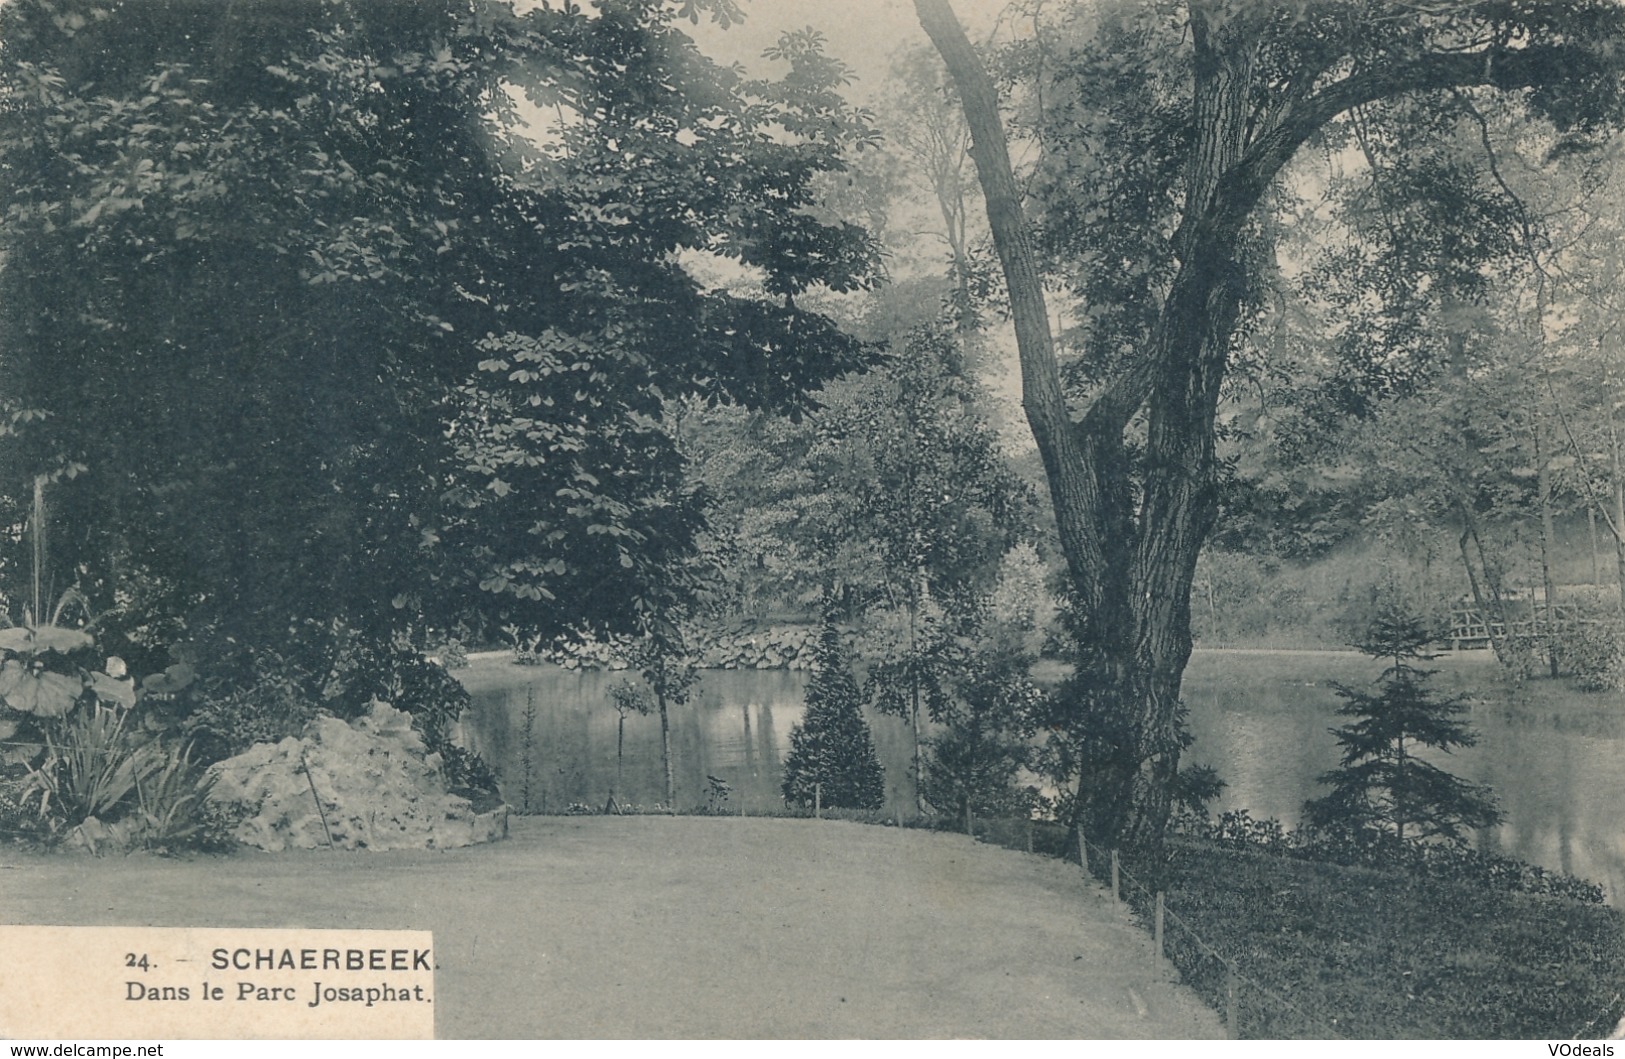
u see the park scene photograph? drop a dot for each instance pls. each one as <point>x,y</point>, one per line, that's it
<point>760,519</point>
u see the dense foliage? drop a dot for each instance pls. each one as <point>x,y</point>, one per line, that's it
<point>888,491</point>
<point>316,337</point>
<point>1238,830</point>
<point>832,759</point>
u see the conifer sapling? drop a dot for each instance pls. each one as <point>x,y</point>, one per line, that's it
<point>1382,785</point>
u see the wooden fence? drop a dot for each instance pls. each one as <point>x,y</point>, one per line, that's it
<point>1471,631</point>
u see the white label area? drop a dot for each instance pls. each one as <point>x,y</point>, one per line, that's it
<point>219,983</point>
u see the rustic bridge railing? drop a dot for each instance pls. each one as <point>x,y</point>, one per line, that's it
<point>1470,630</point>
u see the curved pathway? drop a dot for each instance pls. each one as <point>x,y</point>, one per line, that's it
<point>590,927</point>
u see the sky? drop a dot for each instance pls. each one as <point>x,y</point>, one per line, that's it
<point>861,33</point>
<point>865,34</point>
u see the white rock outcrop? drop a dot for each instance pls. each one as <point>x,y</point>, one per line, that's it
<point>366,784</point>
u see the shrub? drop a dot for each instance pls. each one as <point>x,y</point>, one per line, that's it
<point>18,819</point>
<point>468,776</point>
<point>96,768</point>
<point>1239,830</point>
<point>1194,787</point>
<point>832,750</point>
<point>93,765</point>
<point>216,826</point>
<point>85,754</point>
<point>975,763</point>
<point>172,801</point>
<point>401,676</point>
<point>1595,653</point>
<point>453,654</point>
<point>273,707</point>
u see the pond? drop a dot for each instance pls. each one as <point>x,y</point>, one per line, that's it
<point>735,727</point>
<point>1554,756</point>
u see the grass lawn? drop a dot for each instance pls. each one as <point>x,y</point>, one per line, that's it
<point>695,927</point>
<point>1380,954</point>
<point>1322,950</point>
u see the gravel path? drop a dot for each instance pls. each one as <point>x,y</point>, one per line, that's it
<point>688,927</point>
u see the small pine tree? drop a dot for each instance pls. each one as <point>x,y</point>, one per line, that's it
<point>1380,784</point>
<point>832,746</point>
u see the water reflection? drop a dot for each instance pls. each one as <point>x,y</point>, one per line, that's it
<point>1552,754</point>
<point>736,727</point>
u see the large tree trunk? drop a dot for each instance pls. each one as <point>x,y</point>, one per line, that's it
<point>1131,571</point>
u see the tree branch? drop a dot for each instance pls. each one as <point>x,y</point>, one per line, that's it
<point>1066,461</point>
<point>1434,71</point>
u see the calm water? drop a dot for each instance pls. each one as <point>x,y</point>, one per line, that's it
<point>736,727</point>
<point>1555,758</point>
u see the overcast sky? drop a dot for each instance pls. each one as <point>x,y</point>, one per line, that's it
<point>861,33</point>
<point>865,34</point>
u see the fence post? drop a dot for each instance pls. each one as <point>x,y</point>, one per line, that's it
<point>1231,1016</point>
<point>1158,930</point>
<point>818,801</point>
<point>1116,890</point>
<point>1029,834</point>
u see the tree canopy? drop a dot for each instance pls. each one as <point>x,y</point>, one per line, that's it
<point>362,315</point>
<point>1165,130</point>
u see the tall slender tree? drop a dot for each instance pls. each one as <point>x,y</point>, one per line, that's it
<point>1222,95</point>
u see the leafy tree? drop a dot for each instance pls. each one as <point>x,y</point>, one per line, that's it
<point>976,758</point>
<point>913,472</point>
<point>1172,124</point>
<point>1457,415</point>
<point>749,465</point>
<point>890,496</point>
<point>570,479</point>
<point>891,486</point>
<point>1381,784</point>
<point>199,218</point>
<point>1441,394</point>
<point>832,753</point>
<point>627,698</point>
<point>667,667</point>
<point>334,345</point>
<point>912,468</point>
<point>915,653</point>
